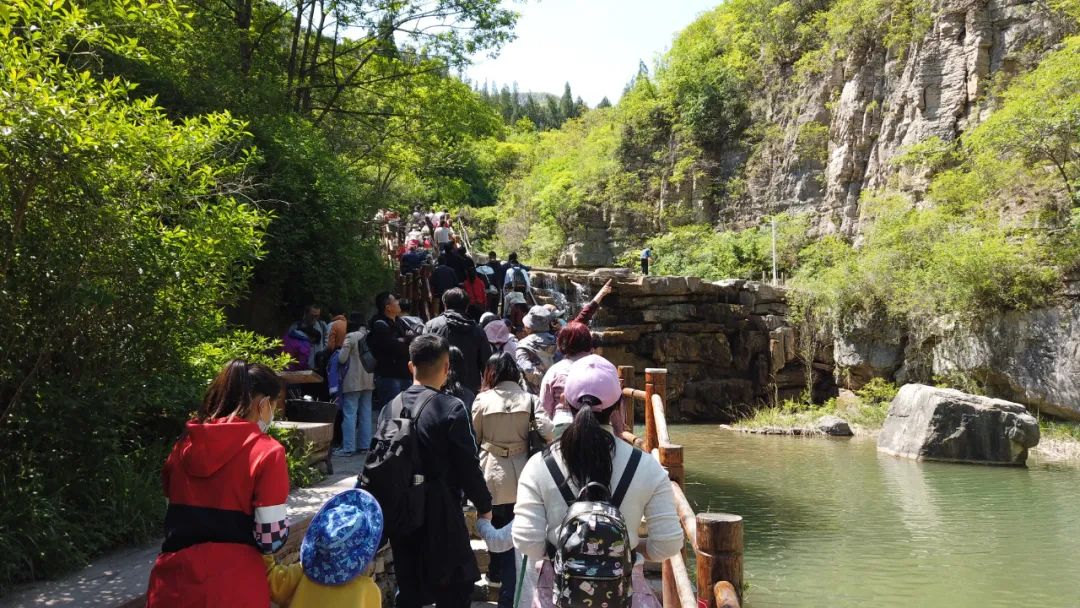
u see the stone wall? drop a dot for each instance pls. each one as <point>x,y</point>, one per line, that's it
<point>728,346</point>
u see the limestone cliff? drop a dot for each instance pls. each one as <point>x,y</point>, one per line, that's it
<point>875,103</point>
<point>815,141</point>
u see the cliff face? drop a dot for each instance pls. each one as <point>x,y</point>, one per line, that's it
<point>816,141</point>
<point>875,103</point>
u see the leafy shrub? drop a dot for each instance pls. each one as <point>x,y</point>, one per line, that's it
<point>297,454</point>
<point>124,235</point>
<point>917,264</point>
<point>877,390</point>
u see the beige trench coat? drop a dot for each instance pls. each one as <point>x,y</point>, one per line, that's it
<point>501,420</point>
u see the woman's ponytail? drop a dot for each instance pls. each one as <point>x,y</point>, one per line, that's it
<point>587,448</point>
<point>232,390</point>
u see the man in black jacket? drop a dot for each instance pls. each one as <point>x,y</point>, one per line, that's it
<point>443,278</point>
<point>464,333</point>
<point>435,563</point>
<point>389,344</point>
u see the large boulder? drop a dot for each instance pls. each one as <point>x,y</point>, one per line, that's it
<point>928,423</point>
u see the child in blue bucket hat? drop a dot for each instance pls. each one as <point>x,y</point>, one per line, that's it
<point>338,547</point>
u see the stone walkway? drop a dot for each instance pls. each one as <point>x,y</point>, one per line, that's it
<point>121,576</point>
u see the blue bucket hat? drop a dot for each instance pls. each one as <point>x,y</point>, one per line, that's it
<point>342,538</point>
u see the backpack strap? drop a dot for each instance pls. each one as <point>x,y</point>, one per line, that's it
<point>560,479</point>
<point>627,476</point>
<point>400,404</point>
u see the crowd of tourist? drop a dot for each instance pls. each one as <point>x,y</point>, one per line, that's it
<point>497,402</point>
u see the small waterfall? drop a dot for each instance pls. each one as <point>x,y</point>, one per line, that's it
<point>561,290</point>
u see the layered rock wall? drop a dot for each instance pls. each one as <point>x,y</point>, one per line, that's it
<point>877,102</point>
<point>1031,357</point>
<point>728,346</point>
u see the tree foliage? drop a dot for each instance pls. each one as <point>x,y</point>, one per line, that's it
<point>162,163</point>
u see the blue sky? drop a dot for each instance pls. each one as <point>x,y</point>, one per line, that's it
<point>593,44</point>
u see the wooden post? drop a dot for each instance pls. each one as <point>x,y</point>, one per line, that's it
<point>650,418</point>
<point>626,380</point>
<point>671,458</point>
<point>655,383</point>
<point>719,553</point>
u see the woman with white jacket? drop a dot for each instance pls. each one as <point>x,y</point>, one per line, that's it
<point>589,452</point>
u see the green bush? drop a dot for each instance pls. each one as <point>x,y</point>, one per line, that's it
<point>877,390</point>
<point>297,454</point>
<point>746,254</point>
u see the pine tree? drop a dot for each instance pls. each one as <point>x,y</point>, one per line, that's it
<point>580,107</point>
<point>532,110</point>
<point>506,103</point>
<point>604,103</point>
<point>555,117</point>
<point>566,104</point>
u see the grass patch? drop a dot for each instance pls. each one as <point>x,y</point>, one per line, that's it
<point>865,411</point>
<point>1059,439</point>
<point>1059,430</point>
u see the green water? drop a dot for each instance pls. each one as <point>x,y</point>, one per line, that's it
<point>832,523</point>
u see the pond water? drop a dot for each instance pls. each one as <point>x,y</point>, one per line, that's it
<point>830,522</point>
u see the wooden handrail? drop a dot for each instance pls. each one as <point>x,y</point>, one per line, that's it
<point>684,589</point>
<point>723,530</point>
<point>686,514</point>
<point>660,420</point>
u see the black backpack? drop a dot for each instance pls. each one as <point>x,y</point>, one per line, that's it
<point>367,359</point>
<point>593,559</point>
<point>518,277</point>
<point>392,471</point>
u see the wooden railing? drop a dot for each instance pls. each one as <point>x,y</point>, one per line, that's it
<point>715,538</point>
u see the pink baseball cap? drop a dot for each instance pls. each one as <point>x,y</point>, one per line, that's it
<point>497,332</point>
<point>596,376</point>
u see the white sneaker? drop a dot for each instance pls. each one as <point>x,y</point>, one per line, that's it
<point>487,582</point>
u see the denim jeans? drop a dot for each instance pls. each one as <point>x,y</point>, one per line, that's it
<point>388,388</point>
<point>356,414</point>
<point>502,515</point>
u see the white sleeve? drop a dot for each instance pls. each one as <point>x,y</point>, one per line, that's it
<point>665,531</point>
<point>530,515</point>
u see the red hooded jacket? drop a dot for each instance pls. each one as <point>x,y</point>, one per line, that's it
<point>227,483</point>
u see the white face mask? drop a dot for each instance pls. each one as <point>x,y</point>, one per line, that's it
<point>264,425</point>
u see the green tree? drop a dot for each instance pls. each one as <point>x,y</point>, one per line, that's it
<point>1039,119</point>
<point>567,109</point>
<point>124,233</point>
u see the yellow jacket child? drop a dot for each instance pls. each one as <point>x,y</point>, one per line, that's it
<point>338,547</point>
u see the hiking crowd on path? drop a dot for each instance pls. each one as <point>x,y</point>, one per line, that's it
<point>495,403</point>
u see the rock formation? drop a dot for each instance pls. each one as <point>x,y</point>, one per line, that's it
<point>1031,356</point>
<point>727,346</point>
<point>928,423</point>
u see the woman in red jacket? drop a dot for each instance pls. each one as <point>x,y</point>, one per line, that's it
<point>477,290</point>
<point>227,484</point>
